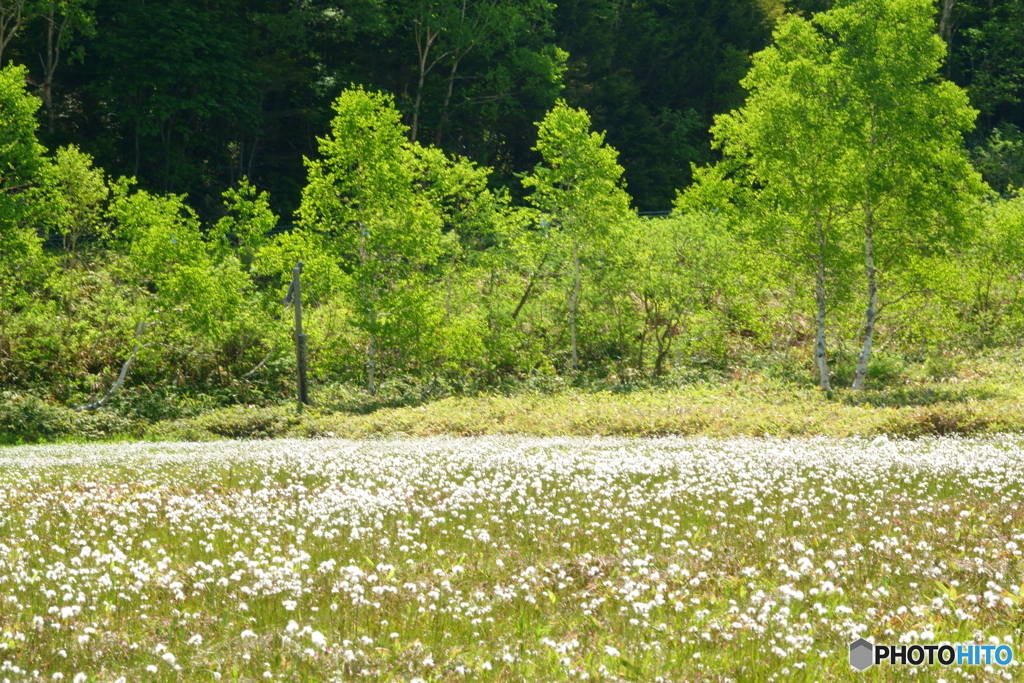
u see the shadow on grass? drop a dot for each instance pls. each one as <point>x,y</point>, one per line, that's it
<point>909,397</point>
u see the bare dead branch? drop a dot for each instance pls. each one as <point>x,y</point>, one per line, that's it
<point>261,363</point>
<point>139,331</point>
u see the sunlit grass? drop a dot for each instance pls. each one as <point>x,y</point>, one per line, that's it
<point>503,559</point>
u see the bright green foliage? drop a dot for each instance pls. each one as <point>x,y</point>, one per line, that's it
<point>425,273</point>
<point>364,194</point>
<point>248,220</point>
<point>905,163</point>
<point>905,170</point>
<point>160,232</point>
<point>579,185</point>
<point>579,193</point>
<point>74,194</point>
<point>685,275</point>
<point>169,256</point>
<point>848,131</point>
<point>361,191</point>
<point>322,276</point>
<point>21,260</point>
<point>786,146</point>
<point>20,163</point>
<point>981,295</point>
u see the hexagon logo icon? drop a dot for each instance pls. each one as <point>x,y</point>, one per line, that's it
<point>862,654</point>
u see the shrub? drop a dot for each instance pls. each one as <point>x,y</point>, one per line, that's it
<point>27,418</point>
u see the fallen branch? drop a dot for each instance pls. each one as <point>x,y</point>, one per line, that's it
<point>142,327</point>
<point>261,363</point>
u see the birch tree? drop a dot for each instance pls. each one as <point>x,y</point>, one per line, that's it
<point>848,141</point>
<point>784,146</point>
<point>905,169</point>
<point>63,18</point>
<point>579,190</point>
<point>362,193</point>
<point>446,32</point>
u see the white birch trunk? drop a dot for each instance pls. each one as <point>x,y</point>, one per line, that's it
<point>872,310</point>
<point>820,359</point>
<point>573,298</point>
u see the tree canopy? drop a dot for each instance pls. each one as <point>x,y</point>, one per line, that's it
<point>190,96</point>
<point>487,193</point>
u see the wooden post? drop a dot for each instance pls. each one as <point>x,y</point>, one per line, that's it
<point>295,295</point>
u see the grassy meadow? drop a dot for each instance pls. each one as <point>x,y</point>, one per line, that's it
<point>505,558</point>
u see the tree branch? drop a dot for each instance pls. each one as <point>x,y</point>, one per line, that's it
<point>142,327</point>
<point>261,363</point>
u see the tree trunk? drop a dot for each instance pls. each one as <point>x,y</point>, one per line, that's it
<point>137,153</point>
<point>370,307</point>
<point>447,100</point>
<point>946,25</point>
<point>49,67</point>
<point>10,22</point>
<point>54,36</point>
<point>139,331</point>
<point>573,298</point>
<point>529,286</point>
<point>664,341</point>
<point>424,41</point>
<point>872,312</point>
<point>414,129</point>
<point>820,359</point>
<point>371,365</point>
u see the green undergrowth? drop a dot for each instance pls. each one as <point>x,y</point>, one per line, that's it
<point>707,411</point>
<point>976,397</point>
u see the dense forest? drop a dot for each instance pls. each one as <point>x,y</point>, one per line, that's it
<point>487,192</point>
<point>188,96</point>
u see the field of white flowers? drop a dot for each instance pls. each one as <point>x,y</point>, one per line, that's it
<point>505,559</point>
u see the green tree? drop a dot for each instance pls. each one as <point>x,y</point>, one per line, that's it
<point>20,153</point>
<point>73,197</point>
<point>848,130</point>
<point>13,15</point>
<point>677,272</point>
<point>782,150</point>
<point>579,191</point>
<point>446,32</point>
<point>363,194</point>
<point>904,168</point>
<point>193,297</point>
<point>248,220</point>
<point>63,19</point>
<point>21,162</point>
